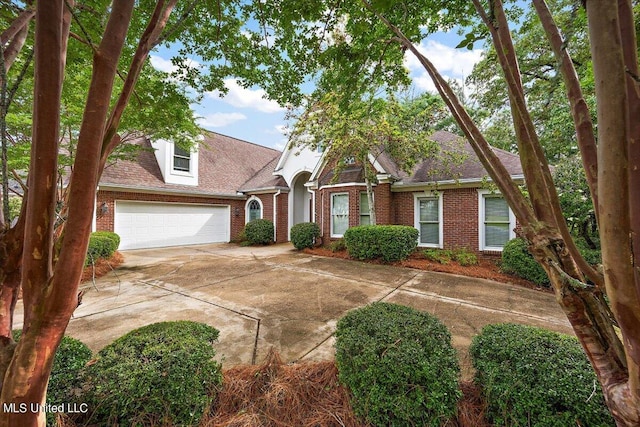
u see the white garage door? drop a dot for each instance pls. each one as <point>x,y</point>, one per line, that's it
<point>152,225</point>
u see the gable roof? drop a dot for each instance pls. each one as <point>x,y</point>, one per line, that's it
<point>456,161</point>
<point>225,164</point>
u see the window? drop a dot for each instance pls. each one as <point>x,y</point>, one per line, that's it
<point>350,160</point>
<point>365,213</point>
<point>339,214</point>
<point>496,222</point>
<point>254,210</point>
<point>181,159</point>
<point>428,215</point>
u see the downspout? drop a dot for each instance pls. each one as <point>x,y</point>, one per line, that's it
<point>275,215</point>
<point>94,220</point>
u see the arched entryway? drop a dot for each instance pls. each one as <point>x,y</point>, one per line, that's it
<point>300,200</point>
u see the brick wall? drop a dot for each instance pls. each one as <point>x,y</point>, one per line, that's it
<point>282,220</point>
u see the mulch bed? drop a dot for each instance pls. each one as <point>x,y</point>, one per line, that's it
<point>101,267</point>
<point>484,270</point>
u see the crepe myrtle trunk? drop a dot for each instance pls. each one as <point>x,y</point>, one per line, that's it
<point>612,40</point>
<point>50,294</point>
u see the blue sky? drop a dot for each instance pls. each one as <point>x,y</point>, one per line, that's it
<point>246,114</point>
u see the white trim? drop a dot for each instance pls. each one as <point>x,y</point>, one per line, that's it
<point>246,208</point>
<point>456,183</point>
<point>331,212</point>
<point>482,195</point>
<point>416,217</point>
<point>360,193</point>
<point>348,184</point>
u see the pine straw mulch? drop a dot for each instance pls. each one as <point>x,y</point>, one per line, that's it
<point>483,270</point>
<point>101,267</point>
<point>275,394</point>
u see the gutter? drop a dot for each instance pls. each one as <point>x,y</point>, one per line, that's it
<point>176,192</point>
<point>450,183</point>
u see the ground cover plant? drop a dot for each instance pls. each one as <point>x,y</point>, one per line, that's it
<point>534,377</point>
<point>162,373</point>
<point>398,364</point>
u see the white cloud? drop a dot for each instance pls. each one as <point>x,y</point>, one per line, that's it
<point>162,64</point>
<point>241,97</point>
<point>167,66</point>
<point>452,63</point>
<point>218,120</point>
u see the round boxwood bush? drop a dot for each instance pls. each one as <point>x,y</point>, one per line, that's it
<point>259,232</point>
<point>65,383</point>
<point>398,364</point>
<point>163,372</point>
<point>304,235</point>
<point>102,244</point>
<point>517,260</point>
<point>389,242</point>
<point>534,377</point>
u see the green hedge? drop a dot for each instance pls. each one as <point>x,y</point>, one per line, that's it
<point>517,260</point>
<point>163,373</point>
<point>304,235</point>
<point>102,244</point>
<point>259,232</point>
<point>389,242</point>
<point>398,364</point>
<point>534,377</point>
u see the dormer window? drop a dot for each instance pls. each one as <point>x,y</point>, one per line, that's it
<point>181,159</point>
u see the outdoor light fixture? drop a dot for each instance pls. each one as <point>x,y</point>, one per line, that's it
<point>104,208</point>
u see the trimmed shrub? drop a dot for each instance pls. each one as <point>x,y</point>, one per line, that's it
<point>65,383</point>
<point>592,256</point>
<point>398,364</point>
<point>517,260</point>
<point>163,372</point>
<point>389,242</point>
<point>110,235</point>
<point>259,232</point>
<point>102,244</point>
<point>304,235</point>
<point>534,377</point>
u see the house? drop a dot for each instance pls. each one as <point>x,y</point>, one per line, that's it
<point>172,197</point>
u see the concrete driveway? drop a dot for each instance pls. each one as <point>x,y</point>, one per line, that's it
<point>274,296</point>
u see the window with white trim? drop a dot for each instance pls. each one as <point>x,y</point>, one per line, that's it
<point>429,221</point>
<point>365,212</point>
<point>339,214</point>
<point>497,222</point>
<point>254,210</point>
<point>181,159</point>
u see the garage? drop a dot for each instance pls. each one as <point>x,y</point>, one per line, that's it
<point>152,225</point>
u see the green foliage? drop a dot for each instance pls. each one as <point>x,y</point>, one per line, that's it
<point>592,256</point>
<point>438,255</point>
<point>64,383</point>
<point>304,235</point>
<point>464,257</point>
<point>338,245</point>
<point>398,364</point>
<point>259,232</point>
<point>534,377</point>
<point>102,244</point>
<point>163,372</point>
<point>517,260</point>
<point>15,203</point>
<point>444,256</point>
<point>389,242</point>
